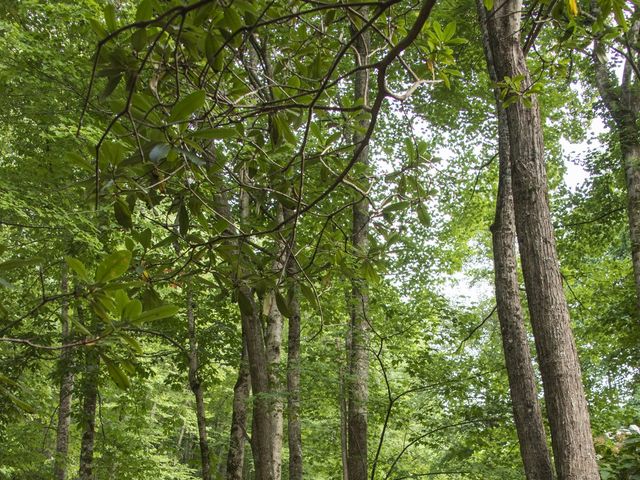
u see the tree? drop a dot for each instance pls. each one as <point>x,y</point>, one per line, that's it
<point>559,365</point>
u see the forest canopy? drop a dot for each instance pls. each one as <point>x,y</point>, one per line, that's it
<point>286,240</point>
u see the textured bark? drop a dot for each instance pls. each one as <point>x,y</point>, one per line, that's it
<point>557,355</point>
<point>90,394</point>
<point>623,104</point>
<point>358,392</point>
<point>235,458</point>
<point>262,432</point>
<point>293,388</point>
<point>66,391</point>
<point>527,413</point>
<point>196,388</point>
<point>273,344</point>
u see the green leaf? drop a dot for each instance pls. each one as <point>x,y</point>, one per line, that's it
<point>115,372</point>
<point>215,57</point>
<point>449,31</point>
<point>282,304</point>
<point>113,266</point>
<point>488,4</point>
<point>245,303</point>
<point>132,310</point>
<point>144,11</point>
<point>21,262</point>
<point>110,16</point>
<point>122,214</point>
<point>183,220</point>
<point>158,313</point>
<point>187,106</point>
<point>78,267</point>
<point>232,20</point>
<point>132,342</point>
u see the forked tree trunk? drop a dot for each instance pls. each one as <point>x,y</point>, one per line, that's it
<point>358,388</point>
<point>90,400</point>
<point>235,458</point>
<point>557,355</point>
<point>527,414</point>
<point>66,389</point>
<point>196,387</point>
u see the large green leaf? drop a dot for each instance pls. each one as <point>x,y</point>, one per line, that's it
<point>158,313</point>
<point>187,105</point>
<point>113,266</point>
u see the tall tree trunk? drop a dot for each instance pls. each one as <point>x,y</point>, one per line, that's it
<point>254,339</point>
<point>66,390</point>
<point>527,414</point>
<point>623,104</point>
<point>557,355</point>
<point>359,354</point>
<point>293,381</point>
<point>90,394</point>
<point>235,458</point>
<point>273,344</point>
<point>196,388</point>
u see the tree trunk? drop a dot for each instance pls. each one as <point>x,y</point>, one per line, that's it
<point>90,394</point>
<point>359,355</point>
<point>623,108</point>
<point>196,388</point>
<point>557,355</point>
<point>235,458</point>
<point>293,384</point>
<point>527,414</point>
<point>66,390</point>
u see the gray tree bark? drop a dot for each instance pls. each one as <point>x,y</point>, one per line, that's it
<point>235,458</point>
<point>557,355</point>
<point>623,103</point>
<point>66,390</point>
<point>358,391</point>
<point>527,414</point>
<point>196,387</point>
<point>90,394</point>
<point>293,383</point>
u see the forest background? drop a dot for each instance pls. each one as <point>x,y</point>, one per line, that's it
<point>252,239</point>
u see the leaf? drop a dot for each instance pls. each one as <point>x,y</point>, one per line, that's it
<point>187,106</point>
<point>183,220</point>
<point>110,16</point>
<point>113,266</point>
<point>245,303</point>
<point>78,267</point>
<point>117,375</point>
<point>122,214</point>
<point>158,313</point>
<point>450,30</point>
<point>401,205</point>
<point>423,215</point>
<point>572,7</point>
<point>213,51</point>
<point>145,238</point>
<point>282,304</point>
<point>488,4</point>
<point>21,262</point>
<point>232,20</point>
<point>21,404</point>
<point>144,11</point>
<point>132,342</point>
<point>132,310</point>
